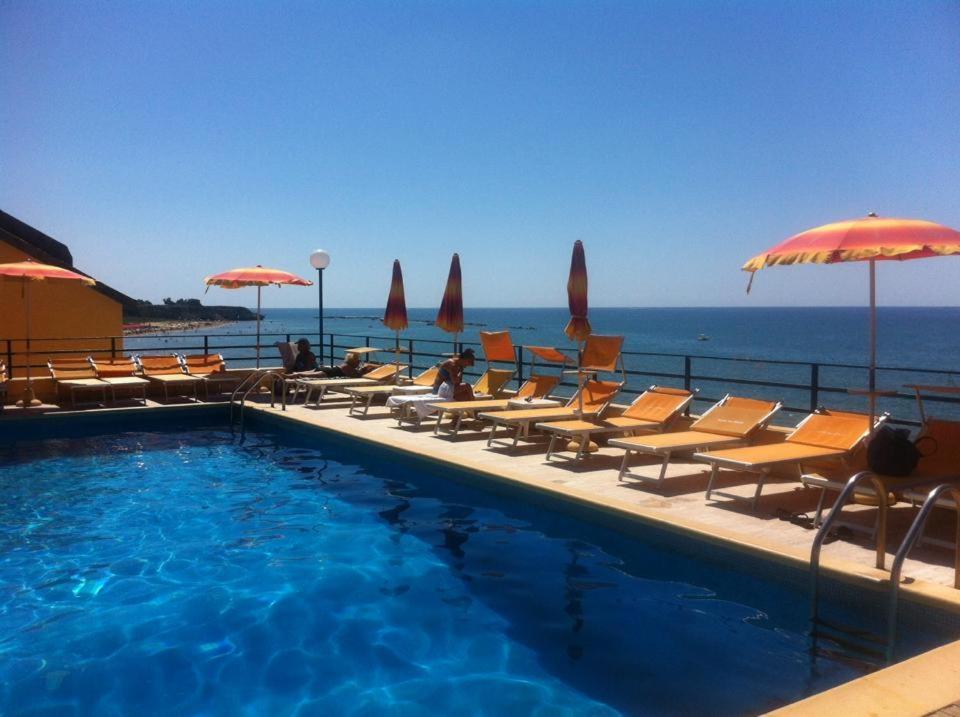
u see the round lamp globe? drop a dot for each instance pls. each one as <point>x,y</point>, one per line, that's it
<point>319,259</point>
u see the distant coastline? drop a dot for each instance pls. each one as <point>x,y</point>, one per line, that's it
<point>165,326</point>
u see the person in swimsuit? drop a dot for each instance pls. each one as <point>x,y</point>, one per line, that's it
<point>450,377</point>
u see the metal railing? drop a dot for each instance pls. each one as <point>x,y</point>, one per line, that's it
<point>801,385</point>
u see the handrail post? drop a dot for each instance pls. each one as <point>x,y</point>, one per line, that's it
<point>331,350</point>
<point>686,372</point>
<point>410,360</point>
<point>10,357</point>
<point>520,365</point>
<point>113,347</point>
<point>206,344</point>
<point>814,386</point>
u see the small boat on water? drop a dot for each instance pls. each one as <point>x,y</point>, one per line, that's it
<point>703,337</point>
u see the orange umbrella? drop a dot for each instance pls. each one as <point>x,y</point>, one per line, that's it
<point>259,277</point>
<point>450,316</point>
<point>578,328</point>
<point>869,239</point>
<point>29,271</point>
<point>395,317</point>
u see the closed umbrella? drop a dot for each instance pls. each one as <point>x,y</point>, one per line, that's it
<point>450,316</point>
<point>259,277</point>
<point>395,316</point>
<point>578,328</point>
<point>869,239</point>
<point>28,272</point>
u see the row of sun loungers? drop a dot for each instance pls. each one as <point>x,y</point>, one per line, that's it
<point>103,378</point>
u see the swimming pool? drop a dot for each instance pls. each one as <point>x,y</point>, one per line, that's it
<point>183,572</point>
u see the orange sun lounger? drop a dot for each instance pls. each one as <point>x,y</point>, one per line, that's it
<point>423,382</point>
<point>651,412</point>
<point>212,369</point>
<point>78,376</point>
<point>414,409</point>
<point>121,373</point>
<point>533,387</point>
<point>823,436</point>
<point>387,373</point>
<point>596,396</point>
<point>167,371</point>
<point>732,421</point>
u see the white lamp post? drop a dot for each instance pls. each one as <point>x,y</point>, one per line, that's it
<point>320,260</point>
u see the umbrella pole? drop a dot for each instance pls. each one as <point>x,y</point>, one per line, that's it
<point>28,398</point>
<point>396,356</point>
<point>580,375</point>
<point>258,327</point>
<point>873,341</point>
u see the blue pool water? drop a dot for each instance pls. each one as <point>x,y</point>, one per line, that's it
<point>185,573</point>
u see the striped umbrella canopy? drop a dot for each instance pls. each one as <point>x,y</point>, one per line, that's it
<point>29,271</point>
<point>869,239</point>
<point>450,316</point>
<point>259,277</point>
<point>578,328</point>
<point>395,317</point>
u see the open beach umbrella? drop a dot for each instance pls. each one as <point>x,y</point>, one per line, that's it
<point>578,328</point>
<point>395,316</point>
<point>259,277</point>
<point>28,272</point>
<point>450,316</point>
<point>869,239</point>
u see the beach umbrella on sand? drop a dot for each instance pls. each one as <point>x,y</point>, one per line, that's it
<point>259,277</point>
<point>450,316</point>
<point>28,272</point>
<point>869,239</point>
<point>395,316</point>
<point>578,328</point>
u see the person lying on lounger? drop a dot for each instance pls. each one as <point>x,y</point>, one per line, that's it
<point>449,384</point>
<point>305,360</point>
<point>350,368</point>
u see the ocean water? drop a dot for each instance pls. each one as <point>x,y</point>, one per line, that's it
<point>185,573</point>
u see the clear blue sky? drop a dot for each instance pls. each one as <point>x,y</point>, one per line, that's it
<point>166,141</point>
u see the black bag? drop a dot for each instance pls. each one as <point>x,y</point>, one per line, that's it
<point>892,453</point>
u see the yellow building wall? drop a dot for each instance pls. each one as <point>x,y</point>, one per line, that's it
<point>64,310</point>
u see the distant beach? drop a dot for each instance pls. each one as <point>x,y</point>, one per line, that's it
<point>170,327</point>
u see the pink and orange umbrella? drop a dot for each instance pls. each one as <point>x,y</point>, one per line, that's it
<point>259,277</point>
<point>870,239</point>
<point>450,316</point>
<point>28,272</point>
<point>395,316</point>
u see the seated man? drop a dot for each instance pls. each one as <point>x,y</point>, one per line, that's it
<point>304,360</point>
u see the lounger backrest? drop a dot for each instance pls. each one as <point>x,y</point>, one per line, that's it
<point>658,404</point>
<point>388,370</point>
<point>492,381</point>
<point>549,354</point>
<point>204,363</point>
<point>601,353</point>
<point>160,365</point>
<point>837,430</point>
<point>497,346</point>
<point>288,354</point>
<point>114,368</point>
<point>942,454</point>
<point>538,386</point>
<point>427,377</point>
<point>596,396</point>
<point>71,369</point>
<point>736,416</point>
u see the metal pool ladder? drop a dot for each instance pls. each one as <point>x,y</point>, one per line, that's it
<point>863,641</point>
<point>251,383</point>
